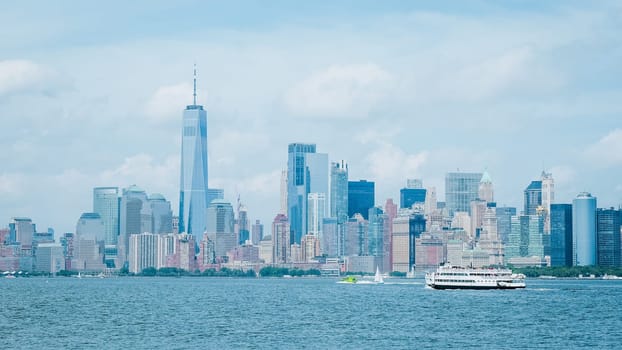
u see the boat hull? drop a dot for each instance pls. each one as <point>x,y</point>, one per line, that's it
<point>436,286</point>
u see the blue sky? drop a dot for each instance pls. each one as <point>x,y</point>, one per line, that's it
<point>92,96</point>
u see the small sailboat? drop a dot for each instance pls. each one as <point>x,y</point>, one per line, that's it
<point>378,277</point>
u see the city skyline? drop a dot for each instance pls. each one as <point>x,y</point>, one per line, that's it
<point>514,106</point>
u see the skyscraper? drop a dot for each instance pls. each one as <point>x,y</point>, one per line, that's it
<point>533,197</point>
<point>504,225</point>
<point>161,214</point>
<point>316,209</point>
<point>220,227</point>
<point>486,189</point>
<point>608,237</point>
<point>460,189</point>
<point>193,199</point>
<point>133,214</point>
<point>307,172</point>
<point>339,191</point>
<point>361,197</point>
<point>410,196</point>
<point>106,204</point>
<point>548,198</point>
<point>90,226</point>
<point>584,249</point>
<point>280,239</point>
<point>561,234</point>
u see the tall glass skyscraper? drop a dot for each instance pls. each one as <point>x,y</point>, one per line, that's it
<point>584,230</point>
<point>460,190</point>
<point>193,199</point>
<point>608,234</point>
<point>533,197</point>
<point>339,191</point>
<point>106,204</point>
<point>561,235</point>
<point>361,197</point>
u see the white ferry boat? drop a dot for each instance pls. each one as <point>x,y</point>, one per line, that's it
<point>455,277</point>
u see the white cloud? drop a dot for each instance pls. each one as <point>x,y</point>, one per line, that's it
<point>23,76</point>
<point>167,101</point>
<point>607,151</point>
<point>10,184</point>
<point>562,175</point>
<point>343,91</point>
<point>389,163</point>
<point>146,172</point>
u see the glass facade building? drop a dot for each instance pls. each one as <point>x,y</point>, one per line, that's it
<point>193,199</point>
<point>361,197</point>
<point>561,234</point>
<point>608,237</point>
<point>584,249</point>
<point>339,191</point>
<point>460,189</point>
<point>533,197</point>
<point>106,204</point>
<point>410,196</point>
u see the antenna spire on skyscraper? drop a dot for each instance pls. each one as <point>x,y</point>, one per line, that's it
<point>194,92</point>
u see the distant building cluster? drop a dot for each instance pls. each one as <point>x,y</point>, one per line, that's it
<point>325,220</point>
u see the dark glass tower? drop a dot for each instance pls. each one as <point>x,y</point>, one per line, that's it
<point>533,197</point>
<point>561,235</point>
<point>608,237</point>
<point>361,197</point>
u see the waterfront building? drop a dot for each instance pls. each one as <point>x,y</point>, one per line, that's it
<point>533,197</point>
<point>243,226</point>
<point>193,199</point>
<point>339,191</point>
<point>430,200</point>
<point>407,227</point>
<point>257,232</point>
<point>331,230</point>
<point>161,214</point>
<point>356,236</point>
<point>280,239</point>
<point>584,247</point>
<point>486,189</point>
<point>307,172</point>
<point>455,248</point>
<point>361,197</point>
<point>143,251</point>
<point>430,252</point>
<point>390,210</point>
<point>266,249</point>
<point>310,247</point>
<point>608,237</point>
<point>526,239</point>
<point>133,216</point>
<point>106,204</point>
<point>561,234</point>
<point>220,227</point>
<point>91,226</point>
<point>295,253</point>
<point>245,253</point>
<point>362,263</point>
<point>548,198</point>
<point>460,189</point>
<point>88,255</point>
<point>22,230</point>
<point>316,212</point>
<point>375,229</point>
<point>49,258</point>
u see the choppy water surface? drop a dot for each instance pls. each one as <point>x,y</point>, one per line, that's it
<point>222,313</point>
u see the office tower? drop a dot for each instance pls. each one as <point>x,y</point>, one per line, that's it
<point>430,252</point>
<point>526,239</point>
<point>414,183</point>
<point>280,239</point>
<point>430,200</point>
<point>106,204</point>
<point>133,214</point>
<point>584,247</point>
<point>266,249</point>
<point>361,197</point>
<point>332,238</point>
<point>307,172</point>
<point>462,220</point>
<point>22,230</point>
<point>49,258</point>
<point>407,227</point>
<point>220,227</point>
<point>243,225</point>
<point>91,226</point>
<point>375,229</point>
<point>356,236</point>
<point>193,198</point>
<point>161,214</point>
<point>533,198</point>
<point>489,241</point>
<point>215,193</point>
<point>478,207</point>
<point>316,209</point>
<point>88,254</point>
<point>561,234</point>
<point>257,232</point>
<point>410,196</point>
<point>339,191</point>
<point>143,251</point>
<point>460,189</point>
<point>548,198</point>
<point>608,237</point>
<point>486,190</point>
<point>283,193</point>
<point>390,210</point>
<point>504,224</point>
<point>309,247</point>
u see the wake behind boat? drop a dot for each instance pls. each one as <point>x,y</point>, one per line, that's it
<point>456,277</point>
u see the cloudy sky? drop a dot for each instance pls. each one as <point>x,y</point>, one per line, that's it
<point>92,96</point>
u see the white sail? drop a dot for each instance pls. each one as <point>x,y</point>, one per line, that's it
<point>378,277</point>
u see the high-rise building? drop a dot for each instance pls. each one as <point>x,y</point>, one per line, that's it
<point>193,198</point>
<point>526,239</point>
<point>608,237</point>
<point>390,210</point>
<point>375,229</point>
<point>307,172</point>
<point>49,258</point>
<point>243,225</point>
<point>143,251</point>
<point>361,197</point>
<point>161,214</point>
<point>106,204</point>
<point>407,227</point>
<point>356,236</point>
<point>460,189</point>
<point>504,224</point>
<point>548,198</point>
<point>339,191</point>
<point>134,214</point>
<point>410,196</point>
<point>91,226</point>
<point>486,190</point>
<point>331,231</point>
<point>414,183</point>
<point>584,247</point>
<point>561,234</point>
<point>280,239</point>
<point>220,227</point>
<point>533,198</point>
<point>430,200</point>
<point>22,230</point>
<point>215,193</point>
<point>257,232</point>
<point>316,212</point>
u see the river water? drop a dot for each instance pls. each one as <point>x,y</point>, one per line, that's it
<point>304,313</point>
